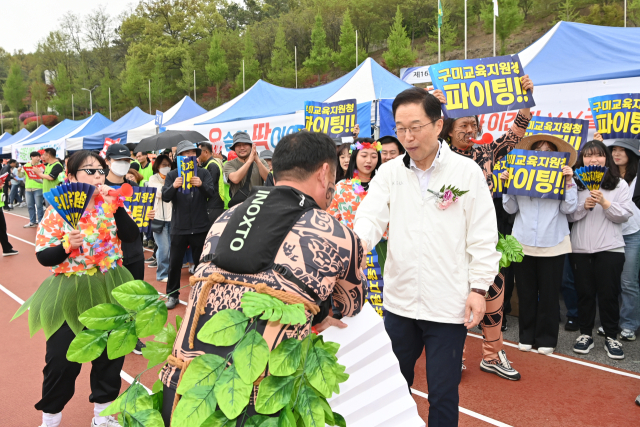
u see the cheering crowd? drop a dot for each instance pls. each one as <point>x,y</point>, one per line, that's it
<point>440,270</point>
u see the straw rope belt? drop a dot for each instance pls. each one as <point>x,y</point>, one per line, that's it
<point>214,279</point>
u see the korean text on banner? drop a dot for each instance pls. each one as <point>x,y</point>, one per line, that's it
<point>375,282</point>
<point>28,169</point>
<point>480,86</point>
<point>336,119</point>
<point>574,131</point>
<point>617,116</point>
<point>536,174</point>
<point>498,184</point>
<point>140,203</point>
<point>187,169</point>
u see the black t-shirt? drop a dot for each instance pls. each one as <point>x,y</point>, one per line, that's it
<point>56,170</point>
<point>132,252</point>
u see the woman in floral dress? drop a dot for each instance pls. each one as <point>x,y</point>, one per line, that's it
<point>87,265</point>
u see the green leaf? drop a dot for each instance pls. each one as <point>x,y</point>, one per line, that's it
<point>122,340</point>
<point>104,317</point>
<point>511,250</point>
<point>339,420</point>
<point>51,313</point>
<point>135,295</point>
<point>167,335</point>
<point>254,304</point>
<point>286,418</point>
<point>286,357</point>
<point>24,307</point>
<point>87,346</point>
<point>232,392</point>
<point>250,356</point>
<point>218,419</point>
<point>328,413</point>
<point>134,399</point>
<point>156,352</point>
<point>146,418</point>
<point>150,320</point>
<point>261,421</point>
<point>341,376</point>
<point>330,347</point>
<point>274,394</point>
<point>309,407</point>
<point>157,386</point>
<point>320,370</point>
<point>224,329</point>
<point>203,370</point>
<point>157,400</point>
<point>178,322</point>
<point>194,407</point>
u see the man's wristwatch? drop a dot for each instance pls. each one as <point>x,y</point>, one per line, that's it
<point>480,291</point>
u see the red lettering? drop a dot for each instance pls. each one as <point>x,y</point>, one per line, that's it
<point>212,131</point>
<point>493,126</point>
<point>511,116</point>
<point>501,121</point>
<point>257,131</point>
<point>264,144</point>
<point>267,131</point>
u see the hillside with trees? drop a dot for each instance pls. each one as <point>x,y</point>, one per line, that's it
<point>165,41</point>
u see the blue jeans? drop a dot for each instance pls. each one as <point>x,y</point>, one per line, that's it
<point>630,288</point>
<point>15,194</point>
<point>163,241</point>
<point>35,204</point>
<point>568,289</point>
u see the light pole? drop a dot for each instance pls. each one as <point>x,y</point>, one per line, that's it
<point>73,113</point>
<point>90,97</point>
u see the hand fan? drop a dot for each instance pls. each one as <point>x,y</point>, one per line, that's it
<point>591,176</point>
<point>70,201</point>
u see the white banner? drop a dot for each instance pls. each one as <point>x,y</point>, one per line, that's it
<point>415,75</point>
<point>569,100</point>
<point>264,132</point>
<point>22,153</point>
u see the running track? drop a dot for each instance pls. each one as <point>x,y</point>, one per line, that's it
<point>553,392</point>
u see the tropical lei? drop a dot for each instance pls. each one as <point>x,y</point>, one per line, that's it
<point>356,183</point>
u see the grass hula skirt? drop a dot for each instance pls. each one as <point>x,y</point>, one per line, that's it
<point>62,298</point>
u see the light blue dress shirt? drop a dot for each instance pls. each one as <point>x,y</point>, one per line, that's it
<point>541,223</point>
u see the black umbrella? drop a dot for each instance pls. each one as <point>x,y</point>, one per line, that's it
<point>169,139</point>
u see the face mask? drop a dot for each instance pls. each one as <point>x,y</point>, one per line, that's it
<point>119,168</point>
<point>165,171</point>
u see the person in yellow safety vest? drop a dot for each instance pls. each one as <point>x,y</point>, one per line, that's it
<point>33,194</point>
<point>145,167</point>
<point>53,172</point>
<point>209,161</point>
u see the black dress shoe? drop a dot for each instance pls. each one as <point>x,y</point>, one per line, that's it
<point>571,325</point>
<point>504,326</point>
<point>171,303</point>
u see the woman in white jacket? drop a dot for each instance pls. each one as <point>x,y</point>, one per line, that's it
<point>161,167</point>
<point>598,249</point>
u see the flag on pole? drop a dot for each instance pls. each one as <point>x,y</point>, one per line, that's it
<point>495,7</point>
<point>440,13</point>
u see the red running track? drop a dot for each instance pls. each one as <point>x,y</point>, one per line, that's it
<point>552,392</point>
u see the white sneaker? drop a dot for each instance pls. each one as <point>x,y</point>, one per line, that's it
<point>22,205</point>
<point>545,350</point>
<point>524,347</point>
<point>165,280</point>
<point>111,422</point>
<point>30,225</point>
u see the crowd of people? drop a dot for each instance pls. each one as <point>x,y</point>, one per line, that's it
<point>440,269</point>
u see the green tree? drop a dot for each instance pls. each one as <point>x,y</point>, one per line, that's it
<point>101,96</point>
<point>526,6</point>
<point>611,15</point>
<point>251,65</point>
<point>185,82</point>
<point>39,94</point>
<point>133,84</point>
<point>61,102</point>
<point>161,90</point>
<point>567,12</point>
<point>509,20</point>
<point>345,59</point>
<point>282,70</point>
<point>399,52</point>
<point>320,55</point>
<point>448,38</point>
<point>217,67</point>
<point>15,89</point>
<point>633,13</point>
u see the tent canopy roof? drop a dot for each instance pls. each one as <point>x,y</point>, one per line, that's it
<point>19,136</point>
<point>572,52</point>
<point>367,82</point>
<point>186,109</point>
<point>97,123</point>
<point>63,128</point>
<point>133,119</point>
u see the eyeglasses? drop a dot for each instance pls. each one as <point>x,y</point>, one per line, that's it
<point>415,130</point>
<point>92,171</point>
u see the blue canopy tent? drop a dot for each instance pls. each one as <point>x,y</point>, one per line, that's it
<point>5,136</point>
<point>184,110</point>
<point>22,136</point>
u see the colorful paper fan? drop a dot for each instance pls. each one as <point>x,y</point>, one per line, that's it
<point>70,201</point>
<point>591,176</point>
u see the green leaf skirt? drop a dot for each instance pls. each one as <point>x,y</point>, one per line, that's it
<point>61,298</point>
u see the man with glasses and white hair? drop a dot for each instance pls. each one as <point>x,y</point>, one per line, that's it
<point>441,259</point>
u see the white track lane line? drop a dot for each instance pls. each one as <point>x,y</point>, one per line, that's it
<point>467,411</point>
<point>128,378</point>
<point>568,359</point>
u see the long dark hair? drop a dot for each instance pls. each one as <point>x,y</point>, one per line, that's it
<point>612,177</point>
<point>341,174</point>
<point>447,127</point>
<point>632,165</point>
<point>354,154</point>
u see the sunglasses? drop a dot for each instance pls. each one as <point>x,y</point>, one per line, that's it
<point>90,172</point>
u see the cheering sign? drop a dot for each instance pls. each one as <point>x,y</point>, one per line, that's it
<point>107,143</point>
<point>375,282</point>
<point>481,86</point>
<point>617,116</point>
<point>28,169</point>
<point>140,203</point>
<point>3,178</point>
<point>336,119</point>
<point>574,131</point>
<point>536,174</point>
<point>187,169</point>
<point>498,184</point>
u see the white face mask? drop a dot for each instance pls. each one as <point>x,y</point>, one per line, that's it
<point>119,168</point>
<point>164,171</point>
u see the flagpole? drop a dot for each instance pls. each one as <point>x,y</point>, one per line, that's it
<point>149,96</point>
<point>494,34</point>
<point>438,44</point>
<point>356,48</point>
<point>194,85</point>
<point>295,54</point>
<point>243,89</point>
<point>109,103</point>
<point>73,113</point>
<point>465,29</point>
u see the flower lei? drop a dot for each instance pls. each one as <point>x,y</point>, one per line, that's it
<point>365,145</point>
<point>356,183</point>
